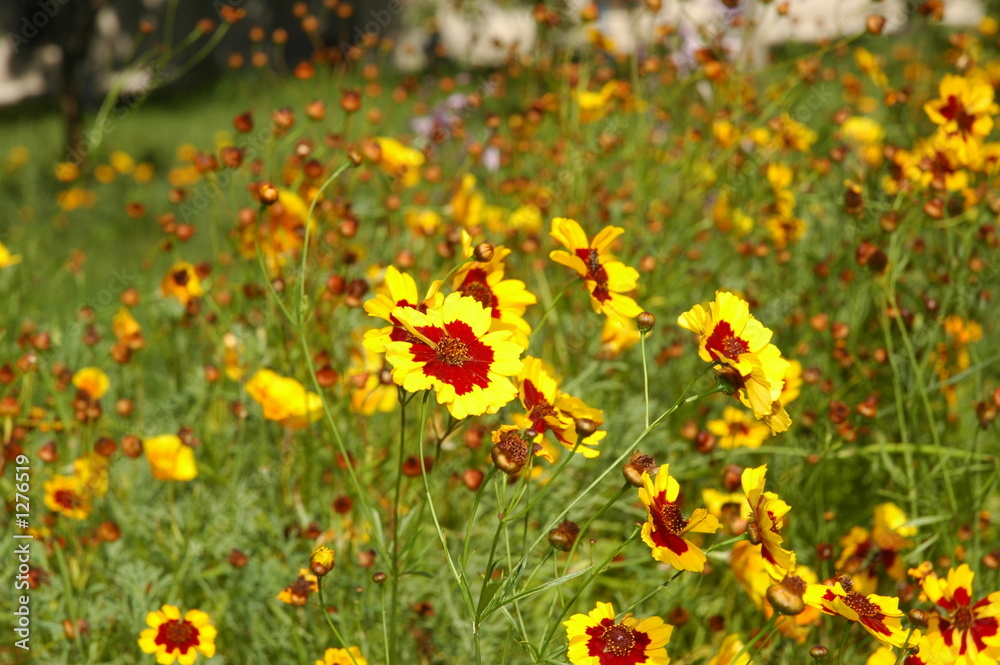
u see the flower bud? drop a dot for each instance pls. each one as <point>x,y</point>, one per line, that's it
<point>483,252</point>
<point>819,652</point>
<point>563,536</point>
<point>268,194</point>
<point>322,561</point>
<point>379,578</point>
<point>645,322</point>
<point>585,426</point>
<point>636,466</point>
<point>786,599</point>
<point>917,617</point>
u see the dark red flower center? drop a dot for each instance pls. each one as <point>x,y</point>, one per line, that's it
<point>595,273</point>
<point>177,635</point>
<point>860,604</point>
<point>667,517</point>
<point>67,499</point>
<point>457,358</point>
<point>616,644</point>
<point>618,639</point>
<point>962,619</point>
<point>955,111</point>
<point>539,408</point>
<point>181,277</point>
<point>724,342</point>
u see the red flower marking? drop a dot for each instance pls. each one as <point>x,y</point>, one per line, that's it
<point>177,635</point>
<point>723,342</point>
<point>67,499</point>
<point>955,110</point>
<point>457,358</point>
<point>475,286</point>
<point>616,644</point>
<point>595,273</point>
<point>667,523</point>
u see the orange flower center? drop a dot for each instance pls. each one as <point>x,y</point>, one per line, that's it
<point>618,640</point>
<point>860,604</point>
<point>452,351</point>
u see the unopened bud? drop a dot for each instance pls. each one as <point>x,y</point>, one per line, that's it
<point>585,426</point>
<point>483,252</point>
<point>563,536</point>
<point>268,194</point>
<point>645,322</point>
<point>819,652</point>
<point>917,617</point>
<point>322,561</point>
<point>784,600</point>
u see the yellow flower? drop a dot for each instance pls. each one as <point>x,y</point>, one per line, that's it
<point>607,279</point>
<point>143,173</point>
<point>93,381</point>
<point>766,521</point>
<point>424,222</point>
<point>595,105</point>
<point>507,299</point>
<point>280,234</point>
<point>888,538</point>
<point>122,162</point>
<point>870,65</point>
<point>730,336</point>
<point>879,615</point>
<point>127,330</point>
<point>92,470</point>
<point>176,639</point>
<point>597,639</point>
<point>665,527</point>
<point>68,496</point>
<point>370,382</point>
<point>400,161</point>
<point>342,657</point>
<point>75,197</point>
<point>964,109</point>
<point>551,410</point>
<point>284,399</point>
<point>181,282</point>
<point>735,430</point>
<point>398,290</point>
<point>6,258</point>
<point>617,337</point>
<point>969,628</point>
<point>169,458</point>
<point>728,650</point>
<point>467,204</point>
<point>453,351</point>
<point>67,171</point>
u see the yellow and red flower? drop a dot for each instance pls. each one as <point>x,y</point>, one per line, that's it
<point>173,638</point>
<point>451,349</point>
<point>280,234</point>
<point>399,160</point>
<point>551,410</point>
<point>507,299</point>
<point>400,290</point>
<point>730,336</point>
<point>879,615</point>
<point>596,638</point>
<point>665,527</point>
<point>297,593</point>
<point>970,629</point>
<point>607,279</point>
<point>182,282</point>
<point>964,109</point>
<point>767,516</point>
<point>67,495</point>
<point>888,537</point>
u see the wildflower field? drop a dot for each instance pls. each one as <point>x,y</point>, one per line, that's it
<point>589,359</point>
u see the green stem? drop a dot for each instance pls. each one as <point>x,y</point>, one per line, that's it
<point>768,628</point>
<point>336,633</point>
<point>586,525</point>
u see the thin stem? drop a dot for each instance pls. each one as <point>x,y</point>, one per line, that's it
<point>329,622</point>
<point>586,525</point>
<point>645,375</point>
<point>765,631</point>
